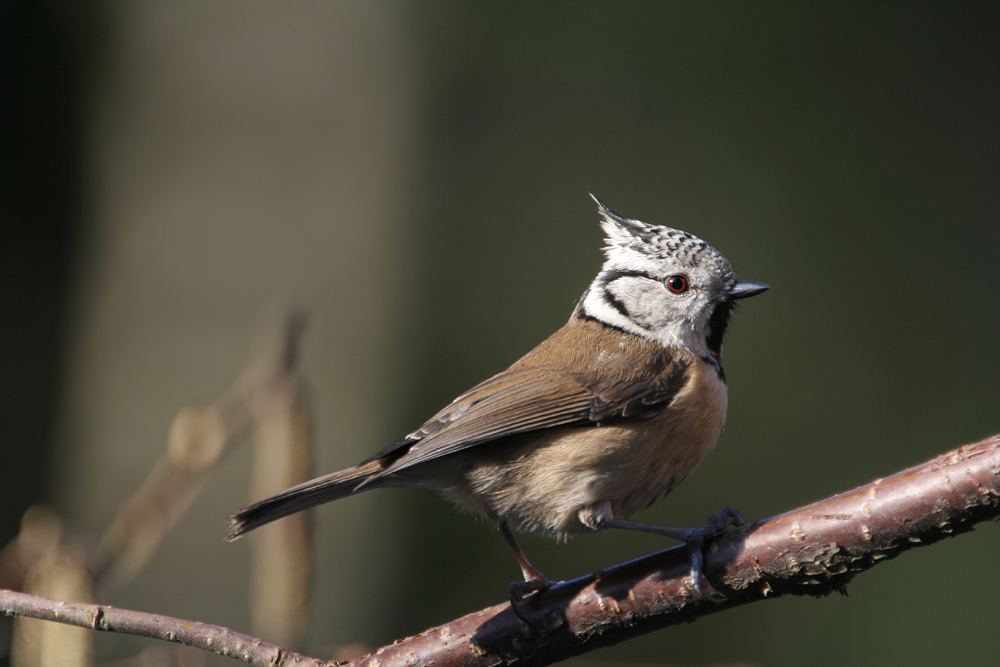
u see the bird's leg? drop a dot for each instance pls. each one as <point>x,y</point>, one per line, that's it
<point>694,538</point>
<point>533,579</point>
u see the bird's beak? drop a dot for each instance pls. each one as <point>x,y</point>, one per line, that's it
<point>745,289</point>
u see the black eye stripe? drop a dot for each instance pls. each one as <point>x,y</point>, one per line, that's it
<point>614,274</point>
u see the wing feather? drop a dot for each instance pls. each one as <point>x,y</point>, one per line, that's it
<point>530,398</point>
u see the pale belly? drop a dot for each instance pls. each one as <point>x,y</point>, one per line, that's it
<point>539,482</point>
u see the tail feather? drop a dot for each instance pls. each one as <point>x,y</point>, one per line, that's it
<point>314,492</point>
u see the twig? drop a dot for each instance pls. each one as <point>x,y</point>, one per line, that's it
<point>813,550</point>
<point>200,635</point>
<point>199,438</point>
<point>282,553</point>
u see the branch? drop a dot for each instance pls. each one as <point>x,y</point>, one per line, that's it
<point>813,550</point>
<point>200,635</point>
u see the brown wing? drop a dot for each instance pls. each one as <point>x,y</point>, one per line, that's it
<point>599,381</point>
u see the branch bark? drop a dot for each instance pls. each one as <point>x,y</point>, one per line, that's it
<point>813,550</point>
<point>190,633</point>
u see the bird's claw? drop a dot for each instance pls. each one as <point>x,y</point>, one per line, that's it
<point>695,541</point>
<point>521,589</point>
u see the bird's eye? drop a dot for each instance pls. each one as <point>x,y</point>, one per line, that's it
<point>677,284</point>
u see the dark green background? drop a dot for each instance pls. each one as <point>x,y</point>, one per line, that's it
<point>846,154</point>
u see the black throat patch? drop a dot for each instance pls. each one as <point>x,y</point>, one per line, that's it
<point>717,324</point>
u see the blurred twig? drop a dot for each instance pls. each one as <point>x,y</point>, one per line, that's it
<point>813,550</point>
<point>198,439</point>
<point>282,457</point>
<point>267,402</point>
<point>54,567</point>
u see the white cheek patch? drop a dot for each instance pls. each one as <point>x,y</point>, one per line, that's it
<point>641,298</point>
<point>643,306</point>
<point>600,305</point>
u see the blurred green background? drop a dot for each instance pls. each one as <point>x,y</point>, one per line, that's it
<point>415,175</point>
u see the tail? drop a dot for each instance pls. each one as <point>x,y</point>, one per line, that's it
<point>302,497</point>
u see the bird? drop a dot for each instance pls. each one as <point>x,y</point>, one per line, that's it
<point>602,419</point>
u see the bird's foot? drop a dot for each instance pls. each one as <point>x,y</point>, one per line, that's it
<point>521,589</point>
<point>694,538</point>
<point>695,541</point>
